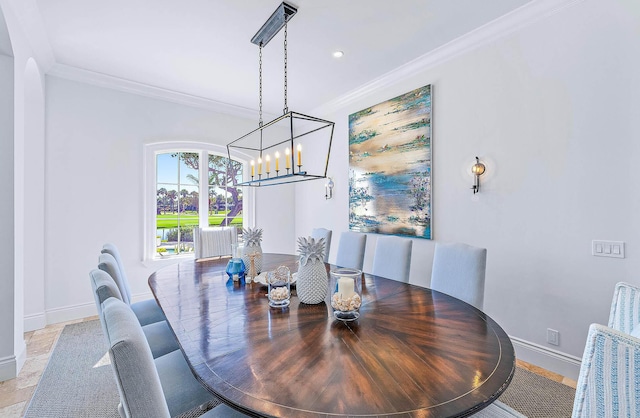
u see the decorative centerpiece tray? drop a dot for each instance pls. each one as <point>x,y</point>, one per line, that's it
<point>261,279</point>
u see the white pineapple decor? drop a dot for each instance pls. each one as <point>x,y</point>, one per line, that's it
<point>252,240</point>
<point>312,282</point>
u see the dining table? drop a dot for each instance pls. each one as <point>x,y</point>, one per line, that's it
<point>413,352</point>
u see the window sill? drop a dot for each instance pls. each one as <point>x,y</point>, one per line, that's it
<point>167,260</point>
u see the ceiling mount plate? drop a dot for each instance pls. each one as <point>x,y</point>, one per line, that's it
<point>283,13</point>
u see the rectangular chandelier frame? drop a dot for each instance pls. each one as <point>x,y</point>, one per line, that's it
<point>258,145</point>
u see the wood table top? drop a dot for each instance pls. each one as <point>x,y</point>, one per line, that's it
<point>414,352</point>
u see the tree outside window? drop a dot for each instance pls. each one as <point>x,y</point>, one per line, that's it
<point>178,199</point>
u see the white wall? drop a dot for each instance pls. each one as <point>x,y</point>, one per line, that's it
<point>32,178</point>
<point>276,217</point>
<point>7,284</point>
<point>551,109</point>
<point>22,104</point>
<point>94,189</point>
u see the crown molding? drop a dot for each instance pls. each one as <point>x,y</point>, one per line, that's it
<point>511,22</point>
<point>103,80</point>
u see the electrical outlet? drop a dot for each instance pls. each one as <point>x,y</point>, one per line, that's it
<point>553,336</point>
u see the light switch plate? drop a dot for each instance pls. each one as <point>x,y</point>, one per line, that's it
<point>601,248</point>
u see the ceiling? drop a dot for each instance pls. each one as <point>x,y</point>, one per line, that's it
<point>202,48</point>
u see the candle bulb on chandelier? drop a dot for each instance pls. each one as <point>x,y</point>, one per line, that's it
<point>253,168</point>
<point>299,155</point>
<point>259,166</point>
<point>268,159</point>
<point>287,159</point>
<point>277,161</point>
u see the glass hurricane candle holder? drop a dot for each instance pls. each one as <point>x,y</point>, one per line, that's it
<point>279,285</point>
<point>346,296</point>
<point>235,269</point>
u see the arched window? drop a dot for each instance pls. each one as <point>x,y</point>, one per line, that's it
<point>189,185</point>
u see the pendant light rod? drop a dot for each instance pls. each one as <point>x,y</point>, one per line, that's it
<point>272,26</point>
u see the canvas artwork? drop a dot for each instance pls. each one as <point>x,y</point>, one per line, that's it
<point>390,166</point>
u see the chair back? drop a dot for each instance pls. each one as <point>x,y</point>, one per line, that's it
<point>121,280</point>
<point>132,363</point>
<point>609,375</point>
<point>625,308</point>
<point>108,264</point>
<point>459,271</point>
<point>351,250</point>
<point>214,241</point>
<point>392,258</point>
<point>104,287</point>
<point>318,233</point>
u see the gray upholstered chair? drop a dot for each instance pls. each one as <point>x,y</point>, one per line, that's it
<point>625,309</point>
<point>392,258</point>
<point>164,387</point>
<point>148,310</point>
<point>103,288</point>
<point>318,233</point>
<point>158,334</point>
<point>459,271</point>
<point>351,250</point>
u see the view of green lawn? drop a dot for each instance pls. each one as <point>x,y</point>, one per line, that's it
<point>170,220</point>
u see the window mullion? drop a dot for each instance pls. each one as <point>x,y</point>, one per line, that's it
<point>178,197</point>
<point>204,189</point>
<point>152,221</point>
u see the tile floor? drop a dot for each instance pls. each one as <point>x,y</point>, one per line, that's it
<point>16,393</point>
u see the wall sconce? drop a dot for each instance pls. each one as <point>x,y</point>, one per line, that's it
<point>328,189</point>
<point>477,170</point>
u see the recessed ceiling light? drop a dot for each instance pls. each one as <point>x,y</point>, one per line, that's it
<point>338,54</point>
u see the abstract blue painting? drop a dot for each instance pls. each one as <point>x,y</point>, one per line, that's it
<point>390,166</point>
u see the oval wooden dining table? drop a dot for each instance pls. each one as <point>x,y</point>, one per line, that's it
<point>414,352</point>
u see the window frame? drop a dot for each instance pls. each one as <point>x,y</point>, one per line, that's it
<point>151,152</point>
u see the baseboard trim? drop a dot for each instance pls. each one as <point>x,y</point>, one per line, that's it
<point>21,358</point>
<point>553,360</point>
<point>8,369</point>
<point>70,313</point>
<point>10,366</point>
<point>35,321</point>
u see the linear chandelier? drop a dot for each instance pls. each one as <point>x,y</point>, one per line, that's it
<point>293,147</point>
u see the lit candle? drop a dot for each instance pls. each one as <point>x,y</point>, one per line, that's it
<point>286,158</point>
<point>345,287</point>
<point>253,168</point>
<point>299,154</point>
<point>259,166</point>
<point>268,159</point>
<point>277,161</point>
